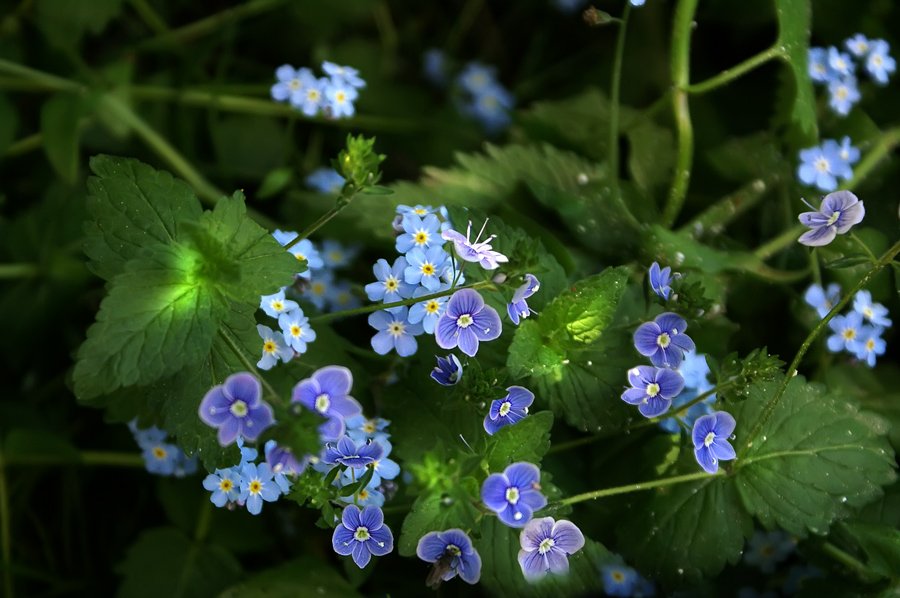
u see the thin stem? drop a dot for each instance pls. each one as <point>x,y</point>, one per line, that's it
<point>242,357</point>
<point>885,145</point>
<point>595,494</point>
<point>864,247</point>
<point>729,75</point>
<point>615,86</point>
<point>5,531</point>
<point>150,17</point>
<point>8,271</point>
<point>722,213</point>
<point>48,81</point>
<point>849,561</point>
<point>205,190</point>
<point>681,62</point>
<point>379,306</point>
<point>779,243</point>
<point>24,145</point>
<point>770,405</point>
<point>323,220</point>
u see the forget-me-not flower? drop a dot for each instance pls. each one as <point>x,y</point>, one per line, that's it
<point>879,63</point>
<point>822,300</point>
<point>618,580</point>
<point>434,66</point>
<point>874,313</point>
<point>846,329</point>
<point>518,307</point>
<point>390,285</point>
<point>448,370</point>
<point>514,494</point>
<point>225,485</point>
<point>858,45</point>
<point>274,305</point>
<point>257,485</point>
<point>360,428</point>
<point>305,250</point>
<point>868,344</point>
<point>284,237</point>
<point>818,65</point>
<point>310,100</point>
<point>361,534</point>
<point>455,550</point>
<point>426,266</point>
<point>509,410</point>
<point>467,322</point>
<point>273,348</point>
<point>836,215</point>
<point>820,167</point>
<point>340,97</point>
<point>664,340</point>
<point>291,83</point>
<point>652,389</point>
<point>345,74</point>
<point>419,232</point>
<point>710,436</point>
<point>236,408</point>
<point>336,255</point>
<point>840,63</point>
<point>546,545</point>
<point>844,94</point>
<point>428,312</point>
<point>846,152</point>
<point>295,327</point>
<point>324,180</point>
<point>161,458</point>
<point>476,77</point>
<point>394,332</point>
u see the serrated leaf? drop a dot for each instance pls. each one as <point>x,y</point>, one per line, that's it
<point>580,315</point>
<point>528,440</point>
<point>502,575</point>
<point>132,206</point>
<point>794,25</point>
<point>59,129</point>
<point>815,458</point>
<point>436,512</point>
<point>297,577</point>
<point>158,317</point>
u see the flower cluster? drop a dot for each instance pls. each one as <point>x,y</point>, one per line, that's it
<point>836,215</point>
<point>247,483</point>
<point>161,457</point>
<point>821,166</point>
<point>332,95</point>
<point>477,93</point>
<point>858,331</point>
<point>836,70</point>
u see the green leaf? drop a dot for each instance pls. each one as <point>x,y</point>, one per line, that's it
<point>132,206</point>
<point>274,182</point>
<point>528,440</point>
<point>794,25</point>
<point>302,576</point>
<point>580,315</point>
<point>652,154</point>
<point>64,23</point>
<point>814,459</point>
<point>59,128</point>
<point>165,562</point>
<point>848,261</point>
<point>881,544</point>
<point>436,512</point>
<point>502,575</point>
<point>159,316</point>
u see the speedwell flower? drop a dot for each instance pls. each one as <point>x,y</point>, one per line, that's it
<point>509,410</point>
<point>236,409</point>
<point>546,547</point>
<point>362,534</point>
<point>518,307</point>
<point>514,494</point>
<point>663,340</point>
<point>660,280</point>
<point>454,551</point>
<point>836,215</point>
<point>710,436</point>
<point>448,370</point>
<point>467,322</point>
<point>327,392</point>
<point>474,250</point>
<point>652,389</point>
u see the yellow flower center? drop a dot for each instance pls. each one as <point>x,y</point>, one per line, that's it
<point>318,288</point>
<point>226,485</point>
<point>159,452</point>
<point>391,283</point>
<point>295,330</point>
<point>432,307</point>
<point>870,345</point>
<point>849,334</point>
<point>428,269</point>
<point>822,165</point>
<point>255,487</point>
<point>300,257</point>
<point>269,346</point>
<point>277,305</point>
<point>421,237</point>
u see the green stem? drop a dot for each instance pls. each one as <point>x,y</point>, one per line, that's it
<point>779,243</point>
<point>729,208</point>
<point>150,17</point>
<point>18,271</point>
<point>324,219</point>
<point>5,531</point>
<point>885,145</point>
<point>615,87</point>
<point>681,61</point>
<point>729,75</point>
<point>24,145</point>
<point>851,562</point>
<point>595,494</point>
<point>46,81</point>
<point>242,357</point>
<point>770,405</point>
<point>379,306</point>
<point>864,247</point>
<point>117,108</point>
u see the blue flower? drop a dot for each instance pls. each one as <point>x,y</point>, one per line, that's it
<point>663,340</point>
<point>327,392</point>
<point>636,2</point>
<point>470,250</point>
<point>879,64</point>
<point>509,410</point>
<point>275,305</point>
<point>428,312</point>
<point>491,107</point>
<point>236,408</point>
<point>348,453</point>
<point>846,329</point>
<point>837,214</point>
<point>467,322</point>
<point>336,255</point>
<point>434,66</point>
<point>454,550</point>
<point>147,437</point>
<point>284,237</point>
<point>340,97</point>
<point>660,280</point>
<point>290,83</point>
<point>319,288</point>
<point>518,307</point>
<point>569,6</point>
<point>310,101</point>
<point>476,77</point>
<point>874,313</point>
<point>426,267</point>
<point>819,167</point>
<point>160,458</point>
<point>695,371</point>
<point>844,94</point>
<point>282,460</point>
<point>546,545</point>
<point>704,407</point>
<point>295,327</point>
<point>305,250</point>
<point>710,436</point>
<point>341,296</point>
<point>514,494</point>
<point>858,45</point>
<point>448,370</point>
<point>618,580</point>
<point>360,429</point>
<point>362,534</point>
<point>394,332</point>
<point>766,549</point>
<point>822,300</point>
<point>846,152</point>
<point>257,485</point>
<point>324,180</point>
<point>868,344</point>
<point>225,485</point>
<point>345,74</point>
<point>273,348</point>
<point>818,65</point>
<point>416,210</point>
<point>840,63</point>
<point>652,389</point>
<point>420,232</point>
<point>384,468</point>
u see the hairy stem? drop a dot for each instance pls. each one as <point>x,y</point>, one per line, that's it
<point>849,561</point>
<point>722,213</point>
<point>640,486</point>
<point>729,75</point>
<point>615,86</point>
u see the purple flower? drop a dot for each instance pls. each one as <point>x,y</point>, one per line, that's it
<point>426,266</point>
<point>390,285</point>
<point>652,389</point>
<point>509,410</point>
<point>235,408</point>
<point>282,459</point>
<point>518,307</point>
<point>348,453</point>
<point>837,215</point>
<point>327,392</point>
<point>394,332</point>
<point>257,485</point>
<point>448,370</point>
<point>660,280</point>
<point>514,494</point>
<point>421,232</point>
<point>547,546</point>
<point>710,435</point>
<point>475,251</point>
<point>362,534</point>
<point>663,340</point>
<point>467,322</point>
<point>453,554</point>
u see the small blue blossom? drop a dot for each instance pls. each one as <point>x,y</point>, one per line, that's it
<point>822,300</point>
<point>349,454</point>
<point>345,74</point>
<point>637,3</point>
<point>491,107</point>
<point>394,332</point>
<point>652,389</point>
<point>514,494</point>
<point>282,460</point>
<point>618,580</point>
<point>340,97</point>
<point>147,437</point>
<point>428,312</point>
<point>695,371</point>
<point>342,296</point>
<point>844,94</point>
<point>819,167</point>
<point>518,307</point>
<point>319,288</point>
<point>419,232</point>
<point>361,429</point>
<point>417,210</point>
<point>295,327</point>
<point>448,370</point>
<point>766,549</point>
<point>312,98</point>
<point>660,280</point>
<point>365,497</point>
<point>509,410</point>
<point>324,180</point>
<point>291,83</point>
<point>569,6</point>
<point>327,392</point>
<point>225,485</point>
<point>426,266</point>
<point>664,340</point>
<point>818,65</point>
<point>476,77</point>
<point>467,322</point>
<point>383,467</point>
<point>362,534</point>
<point>868,344</point>
<point>257,485</point>
<point>305,250</point>
<point>546,545</point>
<point>879,63</point>
<point>161,458</point>
<point>275,305</point>
<point>470,250</point>
<point>874,313</point>
<point>858,45</point>
<point>839,153</point>
<point>836,215</point>
<point>337,255</point>
<point>284,237</point>
<point>236,408</point>
<point>273,348</point>
<point>840,63</point>
<point>453,548</point>
<point>434,66</point>
<point>846,330</point>
<point>846,152</point>
<point>710,436</point>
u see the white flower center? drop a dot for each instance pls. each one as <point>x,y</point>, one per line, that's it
<point>833,218</point>
<point>361,534</point>
<point>505,408</point>
<point>512,495</point>
<point>822,165</point>
<point>709,439</point>
<point>323,402</point>
<point>391,284</point>
<point>464,321</point>
<point>868,313</point>
<point>239,408</point>
<point>663,340</point>
<point>453,549</point>
<point>652,389</point>
<point>546,545</point>
<point>849,334</point>
<point>842,92</point>
<point>877,60</point>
